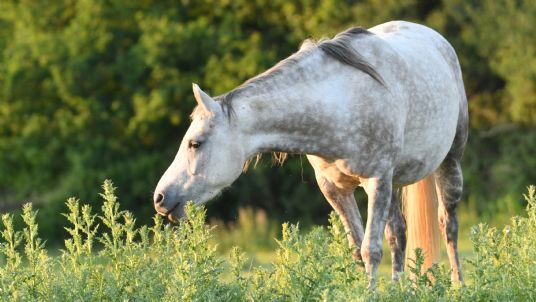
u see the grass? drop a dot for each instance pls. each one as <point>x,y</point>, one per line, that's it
<point>108,258</point>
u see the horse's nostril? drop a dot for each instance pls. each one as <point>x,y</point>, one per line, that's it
<point>158,198</point>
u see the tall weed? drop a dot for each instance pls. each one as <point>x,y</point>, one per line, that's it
<point>108,258</point>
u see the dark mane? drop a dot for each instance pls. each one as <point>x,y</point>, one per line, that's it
<point>340,48</point>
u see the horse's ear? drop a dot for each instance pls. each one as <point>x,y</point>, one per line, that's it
<point>205,101</point>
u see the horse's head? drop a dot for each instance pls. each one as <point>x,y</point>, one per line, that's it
<point>209,159</point>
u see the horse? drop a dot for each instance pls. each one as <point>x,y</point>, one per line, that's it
<point>382,108</point>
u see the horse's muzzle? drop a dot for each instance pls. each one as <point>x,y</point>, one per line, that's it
<point>169,207</point>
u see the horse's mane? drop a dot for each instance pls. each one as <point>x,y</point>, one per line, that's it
<point>339,48</point>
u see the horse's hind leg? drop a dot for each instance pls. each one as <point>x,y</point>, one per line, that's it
<point>395,234</point>
<point>449,182</point>
<point>343,202</point>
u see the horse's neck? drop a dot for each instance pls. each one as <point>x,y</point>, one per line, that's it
<point>288,114</point>
<point>283,127</point>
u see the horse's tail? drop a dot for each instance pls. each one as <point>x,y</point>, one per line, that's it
<point>420,207</point>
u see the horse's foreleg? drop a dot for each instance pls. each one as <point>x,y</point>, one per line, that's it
<point>379,199</point>
<point>343,202</point>
<point>395,234</point>
<point>449,182</point>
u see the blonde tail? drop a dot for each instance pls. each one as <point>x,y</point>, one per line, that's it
<point>420,208</point>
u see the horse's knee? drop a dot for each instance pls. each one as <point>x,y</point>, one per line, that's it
<point>371,254</point>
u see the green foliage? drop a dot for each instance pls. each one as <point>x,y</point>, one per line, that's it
<point>23,280</point>
<point>157,263</point>
<point>252,231</point>
<point>496,164</point>
<point>170,263</point>
<point>504,30</point>
<point>96,89</point>
<point>504,262</point>
<point>315,266</point>
<point>493,40</point>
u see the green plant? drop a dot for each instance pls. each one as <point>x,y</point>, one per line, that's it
<point>251,231</point>
<point>108,258</point>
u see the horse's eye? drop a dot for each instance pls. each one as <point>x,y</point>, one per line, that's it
<point>194,144</point>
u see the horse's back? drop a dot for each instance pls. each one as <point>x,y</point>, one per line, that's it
<point>430,84</point>
<point>427,54</point>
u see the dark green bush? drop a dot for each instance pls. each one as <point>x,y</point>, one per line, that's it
<point>97,89</point>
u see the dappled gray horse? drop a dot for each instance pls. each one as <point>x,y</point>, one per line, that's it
<point>380,108</point>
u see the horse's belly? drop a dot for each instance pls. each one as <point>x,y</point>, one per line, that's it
<point>426,145</point>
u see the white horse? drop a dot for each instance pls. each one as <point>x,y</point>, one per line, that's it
<point>381,108</point>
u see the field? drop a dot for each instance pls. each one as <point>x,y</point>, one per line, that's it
<point>108,258</point>
<point>254,234</point>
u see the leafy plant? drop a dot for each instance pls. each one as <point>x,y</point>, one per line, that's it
<point>108,258</point>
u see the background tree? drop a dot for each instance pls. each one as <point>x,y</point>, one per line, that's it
<point>96,89</point>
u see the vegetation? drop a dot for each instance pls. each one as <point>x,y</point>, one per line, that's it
<point>91,89</point>
<point>108,258</point>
